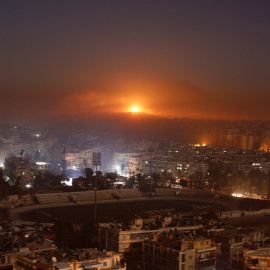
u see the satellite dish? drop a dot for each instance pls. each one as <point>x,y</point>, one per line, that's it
<point>54,260</point>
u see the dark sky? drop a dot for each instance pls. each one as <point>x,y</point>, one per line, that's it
<point>202,59</point>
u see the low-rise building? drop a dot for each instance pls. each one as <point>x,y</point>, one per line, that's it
<point>23,169</point>
<point>120,238</point>
<point>90,259</point>
<point>177,251</point>
<point>257,259</point>
<point>135,165</point>
<point>233,243</point>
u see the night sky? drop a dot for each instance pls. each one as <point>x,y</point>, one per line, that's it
<point>173,58</point>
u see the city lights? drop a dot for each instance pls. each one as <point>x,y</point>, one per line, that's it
<point>238,195</point>
<point>135,135</point>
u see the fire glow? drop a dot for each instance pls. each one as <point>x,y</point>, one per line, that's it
<point>135,109</point>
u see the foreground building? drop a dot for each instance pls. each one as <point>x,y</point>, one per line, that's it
<point>121,238</point>
<point>161,242</point>
<point>176,251</point>
<point>21,240</point>
<point>257,259</point>
<point>90,259</point>
<point>235,242</point>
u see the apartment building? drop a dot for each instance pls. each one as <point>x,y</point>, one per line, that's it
<point>176,251</point>
<point>233,242</point>
<point>90,259</point>
<point>115,236</point>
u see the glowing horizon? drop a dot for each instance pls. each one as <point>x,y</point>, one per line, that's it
<point>135,109</point>
<point>71,62</point>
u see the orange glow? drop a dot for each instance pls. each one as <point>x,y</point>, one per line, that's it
<point>135,109</point>
<point>265,145</point>
<point>124,94</point>
<point>199,145</point>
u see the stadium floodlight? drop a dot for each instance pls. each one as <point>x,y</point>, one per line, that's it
<point>96,160</point>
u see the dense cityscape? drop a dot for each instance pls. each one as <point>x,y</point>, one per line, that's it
<point>227,172</point>
<point>134,135</point>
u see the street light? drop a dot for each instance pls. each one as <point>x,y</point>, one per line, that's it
<point>96,159</point>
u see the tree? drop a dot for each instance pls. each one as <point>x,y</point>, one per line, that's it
<point>131,182</point>
<point>10,168</point>
<point>156,178</point>
<point>145,186</point>
<point>257,180</point>
<point>144,183</point>
<point>184,182</point>
<point>89,176</point>
<point>101,180</point>
<point>56,180</point>
<point>122,168</point>
<point>216,175</point>
<point>48,181</point>
<point>39,182</point>
<point>4,186</point>
<point>111,176</point>
<point>167,177</point>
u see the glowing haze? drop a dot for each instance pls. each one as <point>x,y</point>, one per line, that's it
<point>165,98</point>
<point>173,58</point>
